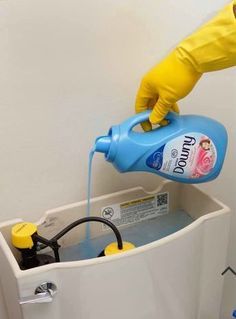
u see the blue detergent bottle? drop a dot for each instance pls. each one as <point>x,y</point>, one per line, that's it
<point>190,149</point>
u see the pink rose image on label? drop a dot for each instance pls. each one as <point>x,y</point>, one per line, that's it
<point>204,159</point>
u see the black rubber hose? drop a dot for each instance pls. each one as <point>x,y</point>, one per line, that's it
<point>53,241</point>
<point>91,219</point>
<point>48,243</point>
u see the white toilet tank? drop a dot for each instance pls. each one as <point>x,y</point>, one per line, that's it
<point>177,276</point>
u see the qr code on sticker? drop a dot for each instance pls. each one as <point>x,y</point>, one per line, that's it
<point>162,199</point>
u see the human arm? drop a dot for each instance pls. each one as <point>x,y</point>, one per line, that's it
<point>212,47</point>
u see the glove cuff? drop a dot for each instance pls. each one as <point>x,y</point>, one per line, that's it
<point>213,46</point>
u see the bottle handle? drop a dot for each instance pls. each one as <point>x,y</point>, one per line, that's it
<point>144,116</point>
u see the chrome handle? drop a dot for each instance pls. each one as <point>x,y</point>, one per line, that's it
<point>43,294</point>
<point>39,298</point>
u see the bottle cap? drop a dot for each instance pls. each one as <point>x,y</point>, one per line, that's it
<point>22,235</point>
<point>113,249</point>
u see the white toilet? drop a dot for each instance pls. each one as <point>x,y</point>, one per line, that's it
<point>175,277</point>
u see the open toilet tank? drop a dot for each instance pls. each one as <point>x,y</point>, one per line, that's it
<point>177,276</point>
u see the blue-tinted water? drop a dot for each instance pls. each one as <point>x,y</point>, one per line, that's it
<point>139,234</point>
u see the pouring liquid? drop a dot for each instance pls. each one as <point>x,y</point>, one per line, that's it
<point>87,241</point>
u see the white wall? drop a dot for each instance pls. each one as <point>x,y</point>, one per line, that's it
<point>70,69</point>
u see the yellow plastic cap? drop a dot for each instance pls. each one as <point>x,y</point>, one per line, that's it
<point>21,235</point>
<point>113,249</point>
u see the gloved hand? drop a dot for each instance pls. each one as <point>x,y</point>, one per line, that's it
<point>210,48</point>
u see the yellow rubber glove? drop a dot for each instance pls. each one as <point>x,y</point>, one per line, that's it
<point>212,47</point>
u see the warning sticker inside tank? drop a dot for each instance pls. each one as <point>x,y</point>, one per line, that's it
<point>136,210</point>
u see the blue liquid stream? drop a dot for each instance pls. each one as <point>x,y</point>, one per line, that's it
<point>87,240</point>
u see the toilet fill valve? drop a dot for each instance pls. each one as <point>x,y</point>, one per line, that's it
<point>26,239</point>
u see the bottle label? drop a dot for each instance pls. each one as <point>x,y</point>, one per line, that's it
<point>191,155</point>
